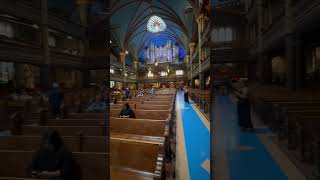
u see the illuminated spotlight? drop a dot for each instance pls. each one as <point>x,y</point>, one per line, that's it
<point>127,52</point>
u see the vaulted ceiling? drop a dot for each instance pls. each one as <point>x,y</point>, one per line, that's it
<point>129,22</point>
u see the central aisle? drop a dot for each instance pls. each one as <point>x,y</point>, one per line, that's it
<point>194,142</point>
<point>247,158</point>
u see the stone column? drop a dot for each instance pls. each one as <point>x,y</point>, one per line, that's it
<point>136,72</point>
<point>83,6</point>
<point>45,69</point>
<point>290,55</point>
<point>188,70</point>
<point>300,64</point>
<point>266,68</point>
<point>260,15</point>
<point>201,76</point>
<point>202,81</point>
<point>123,61</point>
<point>260,64</point>
<point>192,46</point>
<point>290,44</point>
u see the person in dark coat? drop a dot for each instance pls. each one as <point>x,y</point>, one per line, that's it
<point>186,95</point>
<point>53,160</point>
<point>126,93</point>
<point>55,100</point>
<point>244,115</point>
<point>127,112</point>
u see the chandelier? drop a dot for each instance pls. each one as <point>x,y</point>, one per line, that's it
<point>156,25</point>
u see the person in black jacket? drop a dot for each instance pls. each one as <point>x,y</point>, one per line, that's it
<point>55,100</point>
<point>127,112</point>
<point>53,159</point>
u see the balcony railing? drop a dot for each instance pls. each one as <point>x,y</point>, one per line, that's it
<point>25,10</point>
<point>161,79</point>
<point>230,55</point>
<point>24,52</point>
<point>15,51</point>
<point>59,58</point>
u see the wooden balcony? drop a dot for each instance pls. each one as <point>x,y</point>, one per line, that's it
<point>22,52</point>
<point>25,10</point>
<point>229,55</point>
<point>18,52</point>
<point>60,59</point>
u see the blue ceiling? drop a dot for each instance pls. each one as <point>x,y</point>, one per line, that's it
<point>129,19</point>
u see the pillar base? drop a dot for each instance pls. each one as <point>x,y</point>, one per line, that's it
<point>85,78</point>
<point>46,78</point>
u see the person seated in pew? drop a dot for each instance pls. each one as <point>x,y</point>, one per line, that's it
<point>152,91</point>
<point>53,160</point>
<point>140,93</point>
<point>97,105</point>
<point>56,97</point>
<point>127,112</point>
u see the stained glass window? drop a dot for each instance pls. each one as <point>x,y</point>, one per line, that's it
<point>156,24</point>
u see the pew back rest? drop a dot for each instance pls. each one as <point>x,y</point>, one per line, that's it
<point>74,143</point>
<point>17,163</point>
<point>66,130</point>
<point>138,126</point>
<point>87,116</point>
<point>144,114</point>
<point>136,155</point>
<point>142,106</point>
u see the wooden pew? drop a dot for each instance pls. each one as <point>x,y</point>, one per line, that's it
<point>201,97</point>
<point>66,130</point>
<point>76,143</point>
<point>142,106</point>
<point>147,127</point>
<point>87,116</point>
<point>280,109</point>
<point>126,173</point>
<point>91,164</point>
<point>144,114</point>
<point>150,102</point>
<point>157,102</point>
<point>138,126</point>
<point>76,122</point>
<point>138,156</point>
